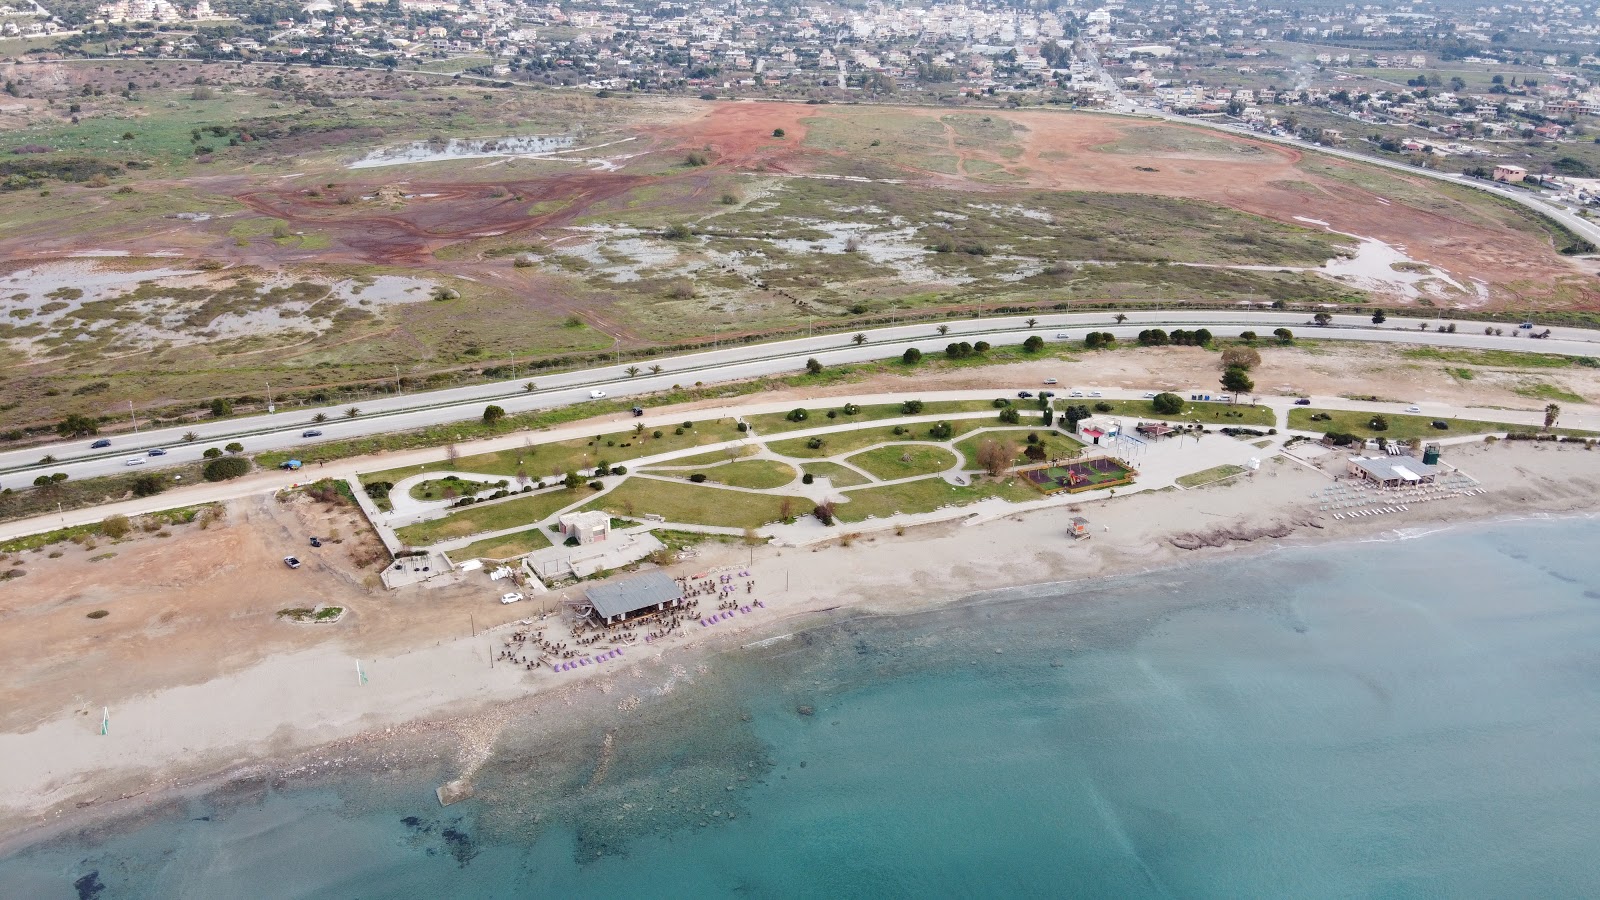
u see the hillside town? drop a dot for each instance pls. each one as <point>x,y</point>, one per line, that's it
<point>1493,91</point>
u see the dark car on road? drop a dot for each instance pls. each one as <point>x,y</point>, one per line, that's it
<point>100,444</point>
<point>1024,394</point>
<point>1303,401</point>
<point>313,432</point>
<point>157,451</point>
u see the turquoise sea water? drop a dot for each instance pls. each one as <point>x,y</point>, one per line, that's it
<point>1410,719</point>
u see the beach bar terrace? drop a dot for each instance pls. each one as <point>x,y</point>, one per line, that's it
<point>618,601</point>
<point>1392,471</point>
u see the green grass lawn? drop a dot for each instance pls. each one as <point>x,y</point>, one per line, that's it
<point>433,488</point>
<point>775,423</point>
<point>847,441</point>
<point>1056,444</point>
<point>841,476</point>
<point>1206,476</point>
<point>1505,359</point>
<point>1401,427</point>
<point>544,462</point>
<point>696,504</point>
<point>903,460</point>
<point>701,459</point>
<point>1207,413</point>
<point>926,495</point>
<point>490,517</point>
<point>505,546</point>
<point>752,473</point>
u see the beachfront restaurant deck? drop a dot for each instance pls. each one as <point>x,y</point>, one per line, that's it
<point>619,601</point>
<point>1392,471</point>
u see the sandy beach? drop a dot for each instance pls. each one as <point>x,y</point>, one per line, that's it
<point>271,699</point>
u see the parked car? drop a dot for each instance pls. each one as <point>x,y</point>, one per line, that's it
<point>290,464</point>
<point>1303,401</point>
<point>313,432</point>
<point>597,395</point>
<point>638,411</point>
<point>1076,394</point>
<point>1049,381</point>
<point>1096,394</point>
<point>510,598</point>
<point>156,451</point>
<point>1024,394</point>
<point>100,444</point>
<point>133,461</point>
<point>1149,395</point>
<point>291,562</point>
<point>316,542</point>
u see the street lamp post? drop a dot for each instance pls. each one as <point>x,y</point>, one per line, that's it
<point>133,417</point>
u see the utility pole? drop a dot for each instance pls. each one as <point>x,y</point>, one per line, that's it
<point>398,387</point>
<point>271,407</point>
<point>133,417</point>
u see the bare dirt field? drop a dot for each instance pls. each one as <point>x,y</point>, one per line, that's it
<point>184,609</point>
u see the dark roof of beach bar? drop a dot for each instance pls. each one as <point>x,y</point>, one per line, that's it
<point>644,591</point>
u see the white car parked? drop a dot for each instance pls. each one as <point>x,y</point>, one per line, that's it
<point>510,598</point>
<point>597,395</point>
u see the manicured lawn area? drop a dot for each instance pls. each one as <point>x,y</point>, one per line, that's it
<point>1056,444</point>
<point>490,517</point>
<point>841,476</point>
<point>903,460</point>
<point>926,495</point>
<point>505,546</point>
<point>1401,427</point>
<point>1207,413</point>
<point>752,473</point>
<point>547,461</point>
<point>701,459</point>
<point>1206,476</point>
<point>775,423</point>
<point>696,504</point>
<point>847,441</point>
<point>433,489</point>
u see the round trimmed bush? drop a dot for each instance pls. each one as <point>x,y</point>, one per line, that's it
<point>226,467</point>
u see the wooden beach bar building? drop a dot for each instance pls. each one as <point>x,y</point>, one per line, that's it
<point>619,601</point>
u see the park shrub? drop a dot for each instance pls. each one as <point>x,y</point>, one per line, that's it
<point>807,478</point>
<point>698,477</point>
<point>798,414</point>
<point>226,467</point>
<point>1167,403</point>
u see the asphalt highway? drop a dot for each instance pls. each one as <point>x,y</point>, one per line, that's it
<point>284,429</point>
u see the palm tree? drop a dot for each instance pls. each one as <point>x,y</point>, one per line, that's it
<point>859,339</point>
<point>1121,317</point>
<point>1551,414</point>
<point>352,412</point>
<point>655,370</point>
<point>319,418</point>
<point>944,329</point>
<point>1032,322</point>
<point>632,371</point>
<point>530,387</point>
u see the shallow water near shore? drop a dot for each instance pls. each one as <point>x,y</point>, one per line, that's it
<point>1412,718</point>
